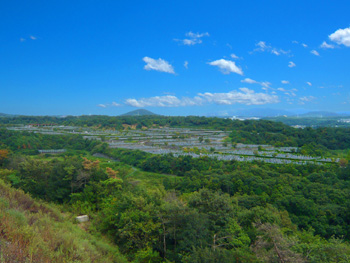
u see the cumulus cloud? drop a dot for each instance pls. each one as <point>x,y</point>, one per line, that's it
<point>158,65</point>
<point>326,45</point>
<point>281,89</point>
<point>341,37</point>
<point>157,101</point>
<point>263,47</point>
<point>226,66</point>
<point>285,82</point>
<point>243,96</point>
<point>249,81</point>
<point>314,52</point>
<point>309,83</point>
<point>102,105</point>
<point>291,64</point>
<point>193,38</point>
<point>186,64</point>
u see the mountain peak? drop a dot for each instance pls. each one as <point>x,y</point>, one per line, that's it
<point>139,112</point>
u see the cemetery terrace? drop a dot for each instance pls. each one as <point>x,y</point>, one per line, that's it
<point>184,141</point>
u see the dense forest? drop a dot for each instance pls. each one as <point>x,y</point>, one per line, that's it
<point>161,208</point>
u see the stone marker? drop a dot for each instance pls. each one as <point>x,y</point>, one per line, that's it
<point>82,219</point>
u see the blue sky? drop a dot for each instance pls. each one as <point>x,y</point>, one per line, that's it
<point>173,57</point>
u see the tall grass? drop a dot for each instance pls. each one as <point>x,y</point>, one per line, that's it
<point>32,231</point>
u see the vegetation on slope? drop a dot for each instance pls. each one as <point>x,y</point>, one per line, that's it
<point>32,231</point>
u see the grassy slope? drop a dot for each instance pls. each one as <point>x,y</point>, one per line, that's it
<point>32,231</point>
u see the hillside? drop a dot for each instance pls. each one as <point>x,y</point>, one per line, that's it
<point>32,231</point>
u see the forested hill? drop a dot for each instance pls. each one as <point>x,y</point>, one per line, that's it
<point>162,208</point>
<point>248,131</point>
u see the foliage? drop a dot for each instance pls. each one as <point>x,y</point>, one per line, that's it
<point>161,208</point>
<point>32,231</point>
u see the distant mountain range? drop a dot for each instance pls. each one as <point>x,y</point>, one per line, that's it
<point>266,112</point>
<point>320,114</point>
<point>262,113</point>
<point>140,112</point>
<point>7,115</point>
<point>254,112</point>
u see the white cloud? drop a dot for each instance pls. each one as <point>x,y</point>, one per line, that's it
<point>274,51</point>
<point>186,64</point>
<point>290,93</point>
<point>263,47</point>
<point>114,104</point>
<point>314,52</point>
<point>234,56</point>
<point>309,83</point>
<point>243,96</point>
<point>326,45</point>
<point>246,90</point>
<point>291,64</point>
<point>341,37</point>
<point>158,101</point>
<point>158,65</point>
<point>227,66</point>
<point>285,82</point>
<point>32,37</point>
<point>190,42</point>
<point>307,99</point>
<point>249,81</point>
<point>197,35</point>
<point>265,84</point>
<point>194,38</point>
<point>246,96</point>
<point>22,39</point>
<point>302,44</point>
